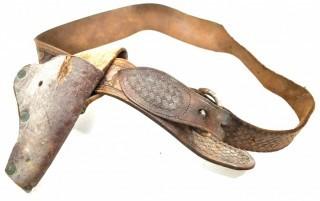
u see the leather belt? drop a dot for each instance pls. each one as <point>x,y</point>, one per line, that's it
<point>73,73</point>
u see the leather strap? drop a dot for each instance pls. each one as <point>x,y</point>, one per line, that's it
<point>110,26</point>
<point>202,134</point>
<point>209,130</point>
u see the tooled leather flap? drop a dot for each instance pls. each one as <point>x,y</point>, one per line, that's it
<point>166,97</point>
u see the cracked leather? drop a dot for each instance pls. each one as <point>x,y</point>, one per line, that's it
<point>51,95</point>
<point>50,98</point>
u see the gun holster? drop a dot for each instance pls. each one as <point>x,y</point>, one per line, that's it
<point>71,74</point>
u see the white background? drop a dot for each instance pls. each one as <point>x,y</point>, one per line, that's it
<point>115,153</point>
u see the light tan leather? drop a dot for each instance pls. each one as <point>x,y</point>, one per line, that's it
<point>221,137</point>
<point>110,26</point>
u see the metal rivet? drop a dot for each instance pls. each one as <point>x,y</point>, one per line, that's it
<point>11,169</point>
<point>203,112</point>
<point>24,116</point>
<point>21,73</point>
<point>28,188</point>
<point>83,110</point>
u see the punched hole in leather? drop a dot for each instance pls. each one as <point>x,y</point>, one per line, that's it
<point>72,74</point>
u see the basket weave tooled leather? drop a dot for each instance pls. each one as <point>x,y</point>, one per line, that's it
<point>71,75</point>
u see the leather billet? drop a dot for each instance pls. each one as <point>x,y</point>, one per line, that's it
<point>71,75</point>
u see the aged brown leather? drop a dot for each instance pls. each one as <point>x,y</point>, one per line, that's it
<point>208,129</point>
<point>201,140</point>
<point>47,119</point>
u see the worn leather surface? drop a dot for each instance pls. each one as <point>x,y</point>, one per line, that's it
<point>164,96</point>
<point>207,129</point>
<point>50,98</point>
<point>91,32</point>
<point>208,145</point>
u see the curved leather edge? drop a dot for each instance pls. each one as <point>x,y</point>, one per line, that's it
<point>210,147</point>
<point>48,105</point>
<point>202,33</point>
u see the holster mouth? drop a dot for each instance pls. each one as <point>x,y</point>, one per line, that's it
<point>50,98</point>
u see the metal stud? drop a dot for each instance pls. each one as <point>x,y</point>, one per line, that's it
<point>11,169</point>
<point>24,116</point>
<point>21,74</point>
<point>83,110</point>
<point>203,113</point>
<point>27,188</point>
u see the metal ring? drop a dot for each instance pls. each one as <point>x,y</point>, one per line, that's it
<point>208,93</point>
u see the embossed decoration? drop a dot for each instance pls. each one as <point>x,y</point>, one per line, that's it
<point>156,91</point>
<point>222,152</point>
